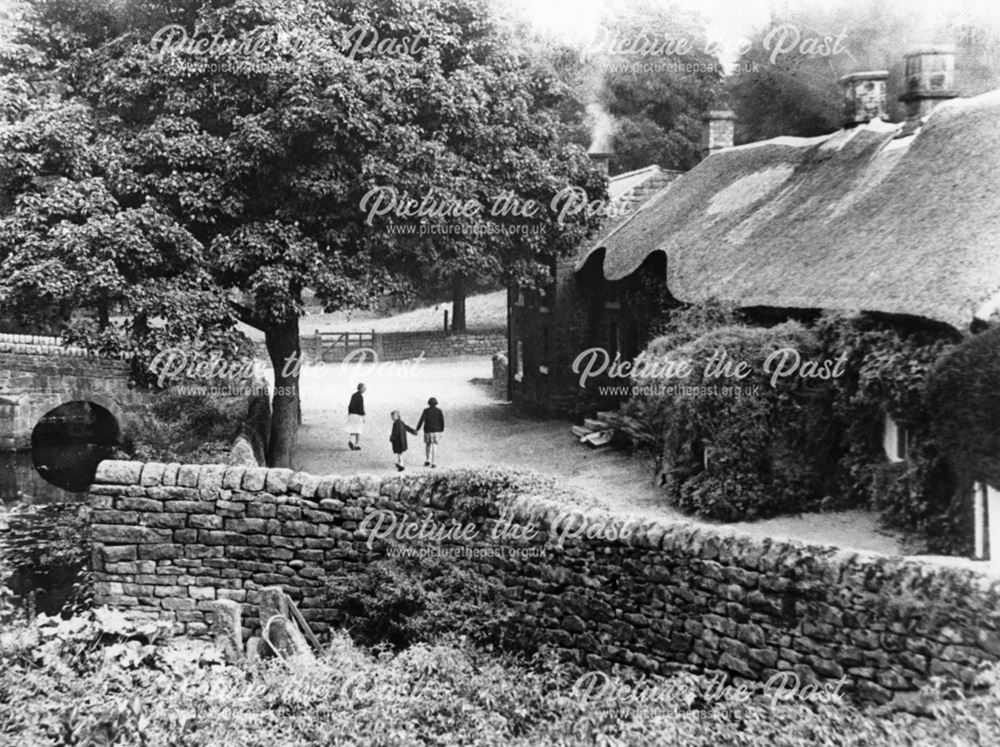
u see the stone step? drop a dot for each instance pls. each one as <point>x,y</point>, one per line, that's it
<point>595,425</point>
<point>580,432</point>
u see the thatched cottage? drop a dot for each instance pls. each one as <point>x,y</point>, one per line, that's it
<point>894,219</point>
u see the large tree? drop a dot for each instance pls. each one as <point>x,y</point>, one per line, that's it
<point>244,166</point>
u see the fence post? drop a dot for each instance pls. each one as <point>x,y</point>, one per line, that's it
<point>377,345</point>
<point>993,518</point>
<point>317,348</point>
<point>446,321</point>
<point>979,520</point>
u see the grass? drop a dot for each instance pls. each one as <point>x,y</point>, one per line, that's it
<point>483,311</point>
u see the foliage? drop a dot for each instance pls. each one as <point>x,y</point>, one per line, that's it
<point>886,373</point>
<point>805,443</point>
<point>45,557</point>
<point>657,101</point>
<point>735,456</point>
<point>434,694</point>
<point>181,427</point>
<point>147,182</point>
<point>402,601</point>
<point>964,403</point>
<point>795,91</point>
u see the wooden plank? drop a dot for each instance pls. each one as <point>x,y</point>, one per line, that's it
<point>307,631</point>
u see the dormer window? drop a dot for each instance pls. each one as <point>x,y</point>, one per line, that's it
<point>895,440</point>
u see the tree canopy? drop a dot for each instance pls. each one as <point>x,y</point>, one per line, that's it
<point>176,179</point>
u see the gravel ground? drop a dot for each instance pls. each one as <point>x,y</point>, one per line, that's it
<point>480,431</point>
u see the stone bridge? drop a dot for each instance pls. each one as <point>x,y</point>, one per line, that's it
<point>38,374</point>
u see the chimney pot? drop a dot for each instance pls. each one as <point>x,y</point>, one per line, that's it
<point>718,126</point>
<point>929,79</point>
<point>864,97</point>
<point>600,159</point>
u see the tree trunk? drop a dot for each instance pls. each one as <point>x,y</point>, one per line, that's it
<point>103,314</point>
<point>283,349</point>
<point>458,305</point>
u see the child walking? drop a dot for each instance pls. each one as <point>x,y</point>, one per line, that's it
<point>432,420</point>
<point>398,438</point>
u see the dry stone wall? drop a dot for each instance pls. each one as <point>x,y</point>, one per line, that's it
<point>171,539</point>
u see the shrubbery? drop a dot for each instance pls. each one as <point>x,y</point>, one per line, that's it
<point>808,443</point>
<point>188,428</point>
<point>403,601</point>
<point>887,373</point>
<point>963,393</point>
<point>743,455</point>
<point>97,681</point>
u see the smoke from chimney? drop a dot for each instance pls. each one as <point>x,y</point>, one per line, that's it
<point>602,130</point>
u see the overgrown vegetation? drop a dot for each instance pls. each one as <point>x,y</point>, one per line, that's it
<point>797,443</point>
<point>964,400</point>
<point>404,601</point>
<point>97,680</point>
<point>192,428</point>
<point>45,558</point>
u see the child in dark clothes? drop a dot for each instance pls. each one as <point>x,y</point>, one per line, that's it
<point>398,438</point>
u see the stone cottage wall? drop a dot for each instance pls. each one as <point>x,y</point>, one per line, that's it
<point>171,539</point>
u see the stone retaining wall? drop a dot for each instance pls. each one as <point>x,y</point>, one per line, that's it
<point>395,346</point>
<point>170,539</point>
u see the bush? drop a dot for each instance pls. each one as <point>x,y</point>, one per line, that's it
<point>189,428</point>
<point>963,397</point>
<point>735,457</point>
<point>887,373</point>
<point>802,445</point>
<point>403,601</point>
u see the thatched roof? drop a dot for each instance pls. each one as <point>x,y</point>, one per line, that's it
<point>627,193</point>
<point>857,220</point>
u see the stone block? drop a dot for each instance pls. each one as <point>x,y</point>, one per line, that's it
<point>169,476</point>
<point>232,478</point>
<point>277,481</point>
<point>135,503</point>
<point>119,534</point>
<point>245,526</point>
<point>187,475</point>
<point>163,520</point>
<point>113,472</point>
<point>254,479</point>
<point>152,474</point>
<point>205,521</point>
<point>259,510</point>
<point>163,551</point>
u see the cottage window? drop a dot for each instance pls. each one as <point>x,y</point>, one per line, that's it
<point>895,440</point>
<point>519,362</point>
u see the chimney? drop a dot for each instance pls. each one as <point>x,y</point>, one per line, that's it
<point>717,130</point>
<point>929,79</point>
<point>864,97</point>
<point>600,157</point>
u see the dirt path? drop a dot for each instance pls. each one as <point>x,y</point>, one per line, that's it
<point>480,431</point>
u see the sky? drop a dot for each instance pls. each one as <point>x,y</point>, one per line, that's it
<point>577,21</point>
